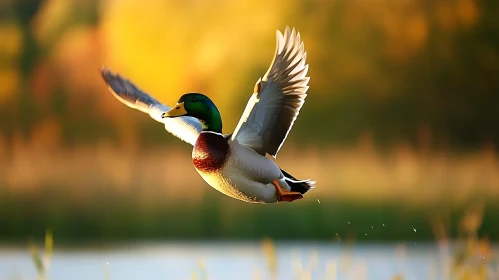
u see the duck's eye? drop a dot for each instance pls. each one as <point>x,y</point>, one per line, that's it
<point>178,107</point>
<point>194,100</point>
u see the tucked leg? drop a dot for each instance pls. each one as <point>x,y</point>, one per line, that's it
<point>284,195</point>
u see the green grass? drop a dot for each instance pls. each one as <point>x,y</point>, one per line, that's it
<point>108,217</point>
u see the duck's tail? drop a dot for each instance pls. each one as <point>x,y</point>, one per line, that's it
<point>301,186</point>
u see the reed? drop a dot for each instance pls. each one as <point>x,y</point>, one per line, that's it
<point>470,258</point>
<point>360,172</point>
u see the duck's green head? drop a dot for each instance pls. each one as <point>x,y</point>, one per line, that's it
<point>199,106</point>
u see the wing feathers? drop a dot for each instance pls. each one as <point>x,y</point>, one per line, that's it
<point>185,128</point>
<point>127,92</point>
<point>279,95</point>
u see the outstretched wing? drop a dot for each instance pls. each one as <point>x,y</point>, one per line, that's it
<point>185,128</point>
<point>277,98</point>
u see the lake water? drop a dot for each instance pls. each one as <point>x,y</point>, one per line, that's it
<point>231,261</point>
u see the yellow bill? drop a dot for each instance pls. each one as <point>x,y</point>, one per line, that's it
<point>176,111</point>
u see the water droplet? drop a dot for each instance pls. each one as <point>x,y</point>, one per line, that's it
<point>383,224</point>
<point>414,229</point>
<point>366,234</point>
<point>348,222</point>
<point>107,263</point>
<point>318,201</point>
<point>336,233</point>
<point>372,227</point>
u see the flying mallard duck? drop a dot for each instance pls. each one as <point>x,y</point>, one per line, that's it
<point>236,164</point>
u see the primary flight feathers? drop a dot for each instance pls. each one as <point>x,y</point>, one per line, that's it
<point>185,128</point>
<point>277,98</point>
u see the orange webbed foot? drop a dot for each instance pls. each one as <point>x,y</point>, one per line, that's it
<point>285,195</point>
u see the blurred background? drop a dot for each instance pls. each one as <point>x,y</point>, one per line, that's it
<point>400,130</point>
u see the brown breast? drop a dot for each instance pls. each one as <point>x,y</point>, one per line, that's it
<point>210,152</point>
